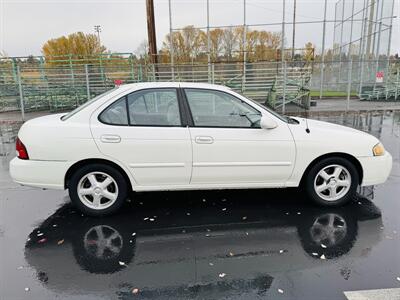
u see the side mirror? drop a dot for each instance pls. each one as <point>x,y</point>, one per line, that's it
<point>268,123</point>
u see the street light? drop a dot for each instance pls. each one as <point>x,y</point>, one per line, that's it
<point>97,28</point>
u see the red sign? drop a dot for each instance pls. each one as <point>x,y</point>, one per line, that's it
<point>118,82</point>
<point>379,77</point>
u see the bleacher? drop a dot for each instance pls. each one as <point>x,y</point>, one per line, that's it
<point>58,88</point>
<point>387,91</point>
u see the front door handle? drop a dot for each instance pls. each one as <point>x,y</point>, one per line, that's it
<point>110,138</point>
<point>204,140</point>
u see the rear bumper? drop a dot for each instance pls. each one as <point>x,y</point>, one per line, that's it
<point>376,169</point>
<point>36,173</point>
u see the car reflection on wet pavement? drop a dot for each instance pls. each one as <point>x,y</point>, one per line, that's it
<point>191,242</point>
<point>244,244</point>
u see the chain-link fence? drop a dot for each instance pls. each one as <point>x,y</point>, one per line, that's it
<point>62,87</point>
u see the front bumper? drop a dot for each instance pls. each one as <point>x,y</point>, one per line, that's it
<point>376,169</point>
<point>37,173</point>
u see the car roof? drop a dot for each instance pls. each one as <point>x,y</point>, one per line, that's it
<point>147,85</point>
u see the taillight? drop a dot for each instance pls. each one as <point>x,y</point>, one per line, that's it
<point>21,150</point>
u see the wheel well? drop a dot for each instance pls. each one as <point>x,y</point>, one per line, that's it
<point>349,157</point>
<point>86,162</point>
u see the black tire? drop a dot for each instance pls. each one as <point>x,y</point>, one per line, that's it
<point>115,174</point>
<point>308,182</point>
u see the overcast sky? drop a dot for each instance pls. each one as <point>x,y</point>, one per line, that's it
<point>26,25</point>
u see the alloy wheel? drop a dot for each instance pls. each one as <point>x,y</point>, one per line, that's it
<point>332,182</point>
<point>97,190</point>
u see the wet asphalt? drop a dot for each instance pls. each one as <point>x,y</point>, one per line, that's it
<point>245,244</point>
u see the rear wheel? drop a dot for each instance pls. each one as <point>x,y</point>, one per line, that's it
<point>332,181</point>
<point>97,189</point>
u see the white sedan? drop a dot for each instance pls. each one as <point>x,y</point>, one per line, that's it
<point>185,136</point>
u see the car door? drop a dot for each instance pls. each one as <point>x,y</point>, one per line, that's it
<point>229,147</point>
<point>144,130</point>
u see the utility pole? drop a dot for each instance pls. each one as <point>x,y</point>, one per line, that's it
<point>151,31</point>
<point>283,32</point>
<point>370,28</point>
<point>294,27</point>
<point>97,28</point>
<point>171,40</point>
<point>322,63</point>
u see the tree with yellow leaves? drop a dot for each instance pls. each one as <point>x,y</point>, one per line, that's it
<point>77,45</point>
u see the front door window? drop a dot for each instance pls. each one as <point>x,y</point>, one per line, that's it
<point>211,108</point>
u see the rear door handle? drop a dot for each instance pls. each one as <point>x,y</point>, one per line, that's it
<point>110,138</point>
<point>204,140</point>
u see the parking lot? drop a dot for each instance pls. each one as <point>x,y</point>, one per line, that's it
<point>242,244</point>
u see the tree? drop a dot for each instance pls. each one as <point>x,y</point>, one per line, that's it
<point>267,46</point>
<point>308,53</point>
<point>188,44</point>
<point>78,45</point>
<point>142,51</point>
<point>216,46</point>
<point>229,43</point>
<point>31,60</point>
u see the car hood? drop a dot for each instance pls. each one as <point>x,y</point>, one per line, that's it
<point>328,137</point>
<point>321,125</point>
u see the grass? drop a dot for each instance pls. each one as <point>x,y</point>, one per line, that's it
<point>332,94</point>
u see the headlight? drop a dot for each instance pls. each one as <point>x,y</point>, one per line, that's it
<point>378,150</point>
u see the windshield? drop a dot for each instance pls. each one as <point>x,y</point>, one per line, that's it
<point>86,104</point>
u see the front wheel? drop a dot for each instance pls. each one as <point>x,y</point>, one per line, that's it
<point>332,181</point>
<point>97,189</point>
